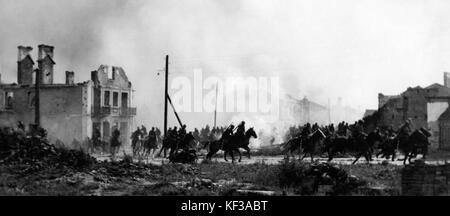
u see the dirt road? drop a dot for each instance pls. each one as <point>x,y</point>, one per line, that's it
<point>277,159</point>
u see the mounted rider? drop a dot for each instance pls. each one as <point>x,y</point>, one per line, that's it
<point>143,131</point>
<point>240,131</point>
<point>135,136</point>
<point>182,132</point>
<point>306,131</point>
<point>115,138</point>
<point>152,135</point>
<point>228,132</point>
<point>405,130</point>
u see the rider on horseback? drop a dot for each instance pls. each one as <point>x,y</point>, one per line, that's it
<point>182,131</point>
<point>306,130</point>
<point>240,131</point>
<point>406,129</point>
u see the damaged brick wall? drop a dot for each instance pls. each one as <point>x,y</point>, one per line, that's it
<point>426,180</point>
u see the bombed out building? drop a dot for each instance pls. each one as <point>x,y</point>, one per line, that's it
<point>69,111</point>
<point>427,107</point>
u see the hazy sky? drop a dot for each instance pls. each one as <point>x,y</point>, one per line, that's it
<point>352,49</point>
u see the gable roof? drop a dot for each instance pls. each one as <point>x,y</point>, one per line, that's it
<point>445,116</point>
<point>435,85</point>
<point>28,57</point>
<point>47,58</point>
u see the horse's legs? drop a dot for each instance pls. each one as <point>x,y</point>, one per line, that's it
<point>240,155</point>
<point>248,151</point>
<point>303,156</point>
<point>330,155</point>
<point>225,155</point>
<point>357,158</point>
<point>232,156</point>
<point>406,157</point>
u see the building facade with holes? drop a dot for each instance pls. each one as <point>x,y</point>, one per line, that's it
<point>69,111</point>
<point>414,104</point>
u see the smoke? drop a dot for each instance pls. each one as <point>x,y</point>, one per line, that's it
<point>320,49</point>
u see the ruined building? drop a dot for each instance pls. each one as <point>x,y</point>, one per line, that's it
<point>69,111</point>
<point>426,107</point>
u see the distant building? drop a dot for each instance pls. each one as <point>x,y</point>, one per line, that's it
<point>413,104</point>
<point>297,112</point>
<point>69,111</point>
<point>369,112</point>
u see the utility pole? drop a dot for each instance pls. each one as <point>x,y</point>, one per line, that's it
<point>37,115</point>
<point>215,111</point>
<point>329,111</point>
<point>166,93</point>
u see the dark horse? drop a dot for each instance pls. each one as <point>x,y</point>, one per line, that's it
<point>168,143</point>
<point>364,145</point>
<point>416,143</point>
<point>231,144</point>
<point>293,145</point>
<point>236,142</point>
<point>388,147</point>
<point>311,143</point>
<point>149,146</point>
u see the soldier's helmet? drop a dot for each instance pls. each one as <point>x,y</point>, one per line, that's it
<point>243,122</point>
<point>184,126</point>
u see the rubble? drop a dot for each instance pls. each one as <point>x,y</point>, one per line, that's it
<point>38,153</point>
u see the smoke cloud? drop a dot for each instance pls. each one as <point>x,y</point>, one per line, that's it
<point>321,49</point>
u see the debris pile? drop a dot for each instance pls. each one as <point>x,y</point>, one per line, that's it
<point>184,156</point>
<point>310,178</point>
<point>38,152</point>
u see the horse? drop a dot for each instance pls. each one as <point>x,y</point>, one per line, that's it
<point>149,146</point>
<point>136,144</point>
<point>337,144</point>
<point>167,143</point>
<point>235,142</point>
<point>214,147</point>
<point>114,146</point>
<point>184,151</point>
<point>311,142</point>
<point>364,145</point>
<point>292,145</point>
<point>388,147</point>
<point>416,143</point>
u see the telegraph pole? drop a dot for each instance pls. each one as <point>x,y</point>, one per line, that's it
<point>37,115</point>
<point>215,111</point>
<point>166,93</point>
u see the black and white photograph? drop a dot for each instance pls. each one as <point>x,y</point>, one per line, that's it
<point>224,98</point>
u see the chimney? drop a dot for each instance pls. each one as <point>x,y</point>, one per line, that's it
<point>23,52</point>
<point>114,72</point>
<point>45,63</point>
<point>94,77</point>
<point>24,66</point>
<point>70,78</point>
<point>45,50</point>
<point>447,79</point>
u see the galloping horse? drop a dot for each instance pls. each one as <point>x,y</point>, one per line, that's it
<point>230,144</point>
<point>416,143</point>
<point>236,142</point>
<point>388,147</point>
<point>292,145</point>
<point>310,143</point>
<point>168,143</point>
<point>364,144</point>
<point>149,146</point>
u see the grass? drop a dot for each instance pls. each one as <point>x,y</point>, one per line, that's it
<point>288,178</point>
